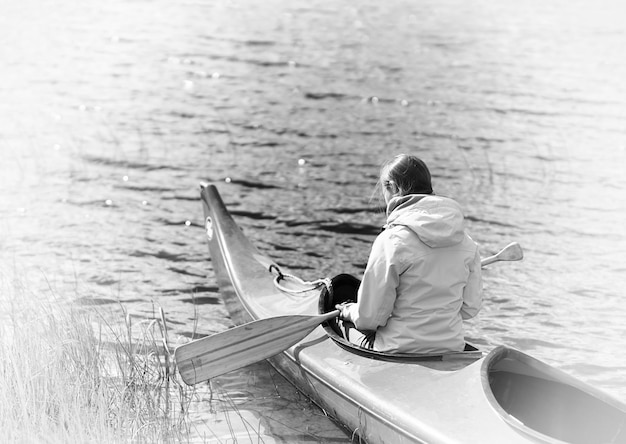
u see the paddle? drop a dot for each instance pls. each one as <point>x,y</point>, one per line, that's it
<point>252,342</point>
<point>243,345</point>
<point>512,252</point>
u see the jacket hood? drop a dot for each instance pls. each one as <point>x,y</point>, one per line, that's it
<point>437,221</point>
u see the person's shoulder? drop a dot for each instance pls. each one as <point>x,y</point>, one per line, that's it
<point>436,200</point>
<point>396,236</point>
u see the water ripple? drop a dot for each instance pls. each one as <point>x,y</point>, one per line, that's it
<point>253,61</point>
<point>203,300</point>
<point>186,272</point>
<point>253,184</point>
<point>253,215</point>
<point>173,257</point>
<point>126,164</point>
<point>336,227</point>
<point>328,95</point>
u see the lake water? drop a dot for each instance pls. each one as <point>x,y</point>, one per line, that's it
<point>111,113</point>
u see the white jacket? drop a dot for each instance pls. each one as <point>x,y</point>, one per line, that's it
<point>422,278</point>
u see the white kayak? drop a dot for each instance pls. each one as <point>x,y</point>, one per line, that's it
<point>501,397</point>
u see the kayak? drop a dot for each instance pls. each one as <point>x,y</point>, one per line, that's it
<point>503,396</point>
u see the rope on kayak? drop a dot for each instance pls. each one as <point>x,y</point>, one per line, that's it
<point>311,285</point>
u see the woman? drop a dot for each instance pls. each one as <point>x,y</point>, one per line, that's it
<point>423,275</point>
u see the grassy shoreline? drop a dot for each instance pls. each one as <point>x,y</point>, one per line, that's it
<point>76,373</point>
<point>66,375</point>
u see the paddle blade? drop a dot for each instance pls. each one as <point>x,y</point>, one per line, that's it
<point>243,345</point>
<point>512,252</point>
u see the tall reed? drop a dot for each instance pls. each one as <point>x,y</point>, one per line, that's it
<point>66,376</point>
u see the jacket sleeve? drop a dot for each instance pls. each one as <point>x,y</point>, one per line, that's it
<point>377,293</point>
<point>473,291</point>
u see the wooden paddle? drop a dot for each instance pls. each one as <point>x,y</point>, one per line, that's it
<point>243,345</point>
<point>252,342</point>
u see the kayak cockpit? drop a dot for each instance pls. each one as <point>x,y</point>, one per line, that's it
<point>550,405</point>
<point>344,289</point>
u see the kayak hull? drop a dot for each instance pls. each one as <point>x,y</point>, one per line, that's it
<point>460,398</point>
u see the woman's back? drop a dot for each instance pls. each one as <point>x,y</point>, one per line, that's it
<point>426,246</point>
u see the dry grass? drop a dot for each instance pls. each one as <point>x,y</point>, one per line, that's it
<point>67,377</point>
